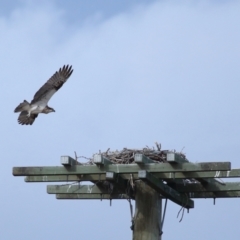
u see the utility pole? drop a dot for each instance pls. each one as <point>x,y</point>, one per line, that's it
<point>146,176</point>
<point>147,220</point>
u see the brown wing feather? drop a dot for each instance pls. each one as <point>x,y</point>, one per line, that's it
<point>53,84</point>
<point>23,119</point>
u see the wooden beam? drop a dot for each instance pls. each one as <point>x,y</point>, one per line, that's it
<point>121,168</point>
<point>193,195</point>
<point>101,160</point>
<point>66,178</point>
<point>141,159</point>
<point>211,187</point>
<point>176,158</point>
<point>158,185</point>
<point>82,189</point>
<point>234,173</point>
<point>93,196</point>
<point>231,194</point>
<point>68,161</point>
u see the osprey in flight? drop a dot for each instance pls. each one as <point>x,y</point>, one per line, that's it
<point>29,111</point>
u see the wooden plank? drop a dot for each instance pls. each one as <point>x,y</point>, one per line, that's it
<point>94,196</point>
<point>232,194</point>
<point>81,189</point>
<point>211,187</point>
<point>194,195</point>
<point>234,173</point>
<point>66,178</point>
<point>121,168</point>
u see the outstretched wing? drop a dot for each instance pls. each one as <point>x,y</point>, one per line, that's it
<point>52,85</point>
<point>25,120</point>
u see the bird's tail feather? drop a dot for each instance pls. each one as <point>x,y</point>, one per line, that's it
<point>22,106</point>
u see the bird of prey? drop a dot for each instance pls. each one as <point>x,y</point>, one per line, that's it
<point>29,111</point>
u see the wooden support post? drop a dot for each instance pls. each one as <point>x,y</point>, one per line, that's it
<point>147,219</point>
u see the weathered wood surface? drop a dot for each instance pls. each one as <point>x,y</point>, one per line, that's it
<point>147,217</point>
<point>234,173</point>
<point>122,168</point>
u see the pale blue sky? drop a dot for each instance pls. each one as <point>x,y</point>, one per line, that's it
<point>144,71</point>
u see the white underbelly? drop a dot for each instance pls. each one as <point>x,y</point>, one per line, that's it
<point>37,108</point>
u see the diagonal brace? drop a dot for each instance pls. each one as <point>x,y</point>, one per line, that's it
<point>157,184</point>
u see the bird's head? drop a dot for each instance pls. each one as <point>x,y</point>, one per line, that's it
<point>47,110</point>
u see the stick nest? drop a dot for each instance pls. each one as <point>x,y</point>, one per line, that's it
<point>126,156</point>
